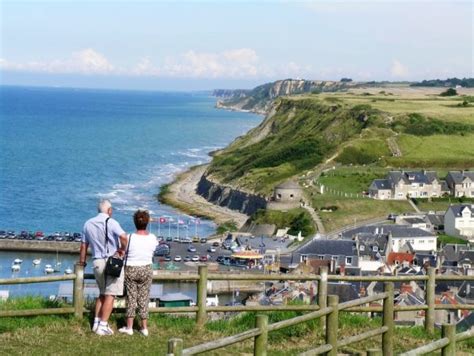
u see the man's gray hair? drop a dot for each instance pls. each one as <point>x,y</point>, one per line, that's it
<point>104,206</point>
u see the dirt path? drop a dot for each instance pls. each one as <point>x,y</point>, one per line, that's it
<point>182,195</point>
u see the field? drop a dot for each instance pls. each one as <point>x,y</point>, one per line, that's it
<point>354,210</point>
<point>67,336</point>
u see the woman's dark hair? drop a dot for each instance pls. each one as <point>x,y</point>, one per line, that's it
<point>141,218</point>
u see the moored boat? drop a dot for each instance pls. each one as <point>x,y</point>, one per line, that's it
<point>68,271</point>
<point>15,267</point>
<point>17,261</point>
<point>37,261</point>
<point>48,269</point>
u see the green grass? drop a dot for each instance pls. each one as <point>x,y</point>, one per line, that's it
<point>354,179</point>
<point>440,204</point>
<point>447,239</point>
<point>353,210</point>
<point>295,219</point>
<point>452,151</point>
<point>68,336</point>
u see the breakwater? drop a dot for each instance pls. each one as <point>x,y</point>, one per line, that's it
<point>40,246</point>
<point>229,197</point>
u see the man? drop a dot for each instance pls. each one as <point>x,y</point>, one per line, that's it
<point>94,236</point>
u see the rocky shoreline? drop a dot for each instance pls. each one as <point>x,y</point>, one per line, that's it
<point>181,194</point>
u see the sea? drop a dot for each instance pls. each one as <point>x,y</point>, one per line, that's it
<point>63,149</point>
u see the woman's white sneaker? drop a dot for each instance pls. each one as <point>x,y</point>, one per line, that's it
<point>126,330</point>
<point>144,332</point>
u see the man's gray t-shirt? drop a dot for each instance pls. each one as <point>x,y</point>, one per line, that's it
<point>94,234</point>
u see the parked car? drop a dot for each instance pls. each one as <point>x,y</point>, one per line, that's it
<point>187,259</point>
<point>195,239</point>
<point>195,258</point>
<point>203,240</point>
<point>215,244</point>
<point>211,249</point>
<point>162,249</point>
<point>177,258</point>
<point>203,258</point>
<point>169,239</point>
<point>167,258</point>
<point>191,248</point>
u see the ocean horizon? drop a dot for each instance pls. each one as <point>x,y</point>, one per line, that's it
<point>63,149</point>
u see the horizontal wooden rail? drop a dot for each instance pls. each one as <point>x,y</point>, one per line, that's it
<point>33,312</point>
<point>226,341</point>
<point>262,277</point>
<point>454,306</point>
<point>299,319</point>
<point>365,300</point>
<point>334,277</point>
<point>363,336</point>
<point>317,351</point>
<point>376,309</point>
<point>250,308</point>
<point>25,280</point>
<point>173,310</point>
<point>465,335</point>
<point>433,346</point>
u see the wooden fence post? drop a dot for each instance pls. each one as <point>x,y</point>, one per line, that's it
<point>323,293</point>
<point>374,352</point>
<point>449,331</point>
<point>201,315</point>
<point>175,347</point>
<point>430,301</point>
<point>332,322</point>
<point>78,291</point>
<point>260,343</point>
<point>387,337</point>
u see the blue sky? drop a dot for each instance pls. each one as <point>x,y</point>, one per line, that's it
<point>206,44</point>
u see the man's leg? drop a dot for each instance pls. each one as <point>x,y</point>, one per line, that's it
<point>98,305</point>
<point>107,306</point>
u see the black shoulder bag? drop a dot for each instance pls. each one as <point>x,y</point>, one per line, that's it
<point>114,265</point>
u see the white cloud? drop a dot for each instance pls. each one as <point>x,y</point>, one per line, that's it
<point>398,70</point>
<point>86,61</point>
<point>239,63</point>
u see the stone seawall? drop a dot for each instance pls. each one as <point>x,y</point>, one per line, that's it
<point>40,246</point>
<point>229,197</point>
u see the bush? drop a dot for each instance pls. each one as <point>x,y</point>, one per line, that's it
<point>227,226</point>
<point>449,92</point>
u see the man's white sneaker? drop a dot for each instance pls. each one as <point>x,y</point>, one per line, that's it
<point>144,332</point>
<point>95,327</point>
<point>104,330</point>
<point>126,330</point>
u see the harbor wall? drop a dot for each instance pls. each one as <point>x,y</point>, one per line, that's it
<point>40,246</point>
<point>229,197</point>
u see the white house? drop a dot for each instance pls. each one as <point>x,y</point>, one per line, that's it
<point>461,183</point>
<point>459,221</point>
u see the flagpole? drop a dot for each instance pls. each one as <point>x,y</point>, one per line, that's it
<point>169,226</point>
<point>159,226</point>
<point>177,225</point>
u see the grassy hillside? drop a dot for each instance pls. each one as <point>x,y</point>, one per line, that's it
<point>362,127</point>
<point>63,335</point>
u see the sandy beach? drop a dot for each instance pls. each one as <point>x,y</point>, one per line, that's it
<point>182,195</point>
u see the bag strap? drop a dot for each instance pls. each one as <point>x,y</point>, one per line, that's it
<point>107,237</point>
<point>128,246</point>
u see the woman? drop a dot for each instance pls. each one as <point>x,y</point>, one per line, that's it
<point>139,272</point>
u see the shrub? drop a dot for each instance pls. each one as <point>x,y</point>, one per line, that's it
<point>449,92</point>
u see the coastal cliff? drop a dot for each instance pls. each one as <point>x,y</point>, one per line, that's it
<point>260,99</point>
<point>229,197</point>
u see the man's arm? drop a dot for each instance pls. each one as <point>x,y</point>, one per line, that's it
<point>83,254</point>
<point>123,244</point>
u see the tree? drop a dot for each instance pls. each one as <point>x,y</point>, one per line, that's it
<point>449,92</point>
<point>346,80</point>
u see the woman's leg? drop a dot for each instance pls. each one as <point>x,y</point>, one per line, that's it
<point>132,294</point>
<point>144,293</point>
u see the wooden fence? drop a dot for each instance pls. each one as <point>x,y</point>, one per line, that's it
<point>324,310</point>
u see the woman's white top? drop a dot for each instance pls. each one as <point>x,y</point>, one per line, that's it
<point>141,249</point>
